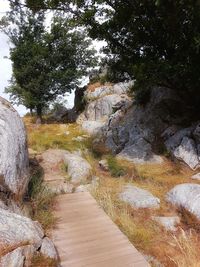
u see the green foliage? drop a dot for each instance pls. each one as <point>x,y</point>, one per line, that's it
<point>115,168</point>
<point>155,42</point>
<point>46,62</point>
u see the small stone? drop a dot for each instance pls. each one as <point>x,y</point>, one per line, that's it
<point>32,152</point>
<point>60,187</point>
<point>78,138</point>
<point>139,198</point>
<point>48,249</point>
<point>82,188</point>
<point>196,176</point>
<point>103,164</point>
<point>169,223</point>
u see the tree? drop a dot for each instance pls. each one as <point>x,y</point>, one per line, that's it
<point>157,42</point>
<point>46,63</point>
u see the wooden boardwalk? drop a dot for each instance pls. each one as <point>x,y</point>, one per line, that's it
<point>86,237</point>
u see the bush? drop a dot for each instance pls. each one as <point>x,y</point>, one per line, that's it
<point>115,168</point>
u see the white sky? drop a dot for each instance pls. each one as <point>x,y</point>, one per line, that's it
<point>6,67</point>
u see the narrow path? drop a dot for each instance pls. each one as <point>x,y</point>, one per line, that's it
<point>86,237</point>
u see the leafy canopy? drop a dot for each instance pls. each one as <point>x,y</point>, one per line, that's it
<point>156,42</point>
<point>46,62</point>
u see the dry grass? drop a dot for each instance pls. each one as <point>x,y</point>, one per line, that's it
<point>91,87</point>
<point>147,235</point>
<point>7,248</point>
<point>41,261</point>
<point>187,249</point>
<point>40,199</point>
<point>45,136</point>
<point>180,249</point>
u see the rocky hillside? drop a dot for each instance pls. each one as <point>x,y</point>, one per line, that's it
<point>141,133</point>
<point>20,237</point>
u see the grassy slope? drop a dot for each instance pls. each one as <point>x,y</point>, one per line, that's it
<point>179,249</point>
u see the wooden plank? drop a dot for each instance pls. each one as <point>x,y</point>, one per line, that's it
<point>86,237</point>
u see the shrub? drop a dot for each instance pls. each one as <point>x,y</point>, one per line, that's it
<point>115,168</point>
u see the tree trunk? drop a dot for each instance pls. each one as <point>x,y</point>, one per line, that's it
<point>31,112</point>
<point>39,114</point>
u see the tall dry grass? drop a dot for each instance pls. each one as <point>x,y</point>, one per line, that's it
<point>187,246</point>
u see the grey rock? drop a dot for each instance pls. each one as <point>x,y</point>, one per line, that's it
<point>186,196</point>
<point>196,176</point>
<point>79,170</point>
<point>153,261</point>
<point>138,198</point>
<point>19,257</point>
<point>140,152</point>
<point>92,127</point>
<point>59,113</point>
<point>132,133</point>
<point>187,152</point>
<point>78,138</point>
<point>175,140</point>
<point>13,150</point>
<point>169,223</point>
<point>102,108</point>
<point>170,131</point>
<point>82,188</point>
<point>120,88</point>
<point>103,164</point>
<point>16,229</point>
<point>60,187</point>
<point>196,133</point>
<point>48,249</point>
<point>13,259</point>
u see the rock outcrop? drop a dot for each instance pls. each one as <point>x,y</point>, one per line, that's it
<point>186,196</point>
<point>140,133</point>
<point>184,145</point>
<point>13,151</point>
<point>102,103</point>
<point>138,198</point>
<point>20,237</point>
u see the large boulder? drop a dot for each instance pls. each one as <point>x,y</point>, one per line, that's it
<point>78,168</point>
<point>139,152</point>
<point>187,152</point>
<point>138,198</point>
<point>186,196</point>
<point>134,133</point>
<point>17,230</point>
<point>184,145</point>
<point>13,150</point>
<point>19,257</point>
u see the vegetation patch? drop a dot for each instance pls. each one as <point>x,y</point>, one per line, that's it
<point>115,168</point>
<point>41,199</point>
<point>42,261</point>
